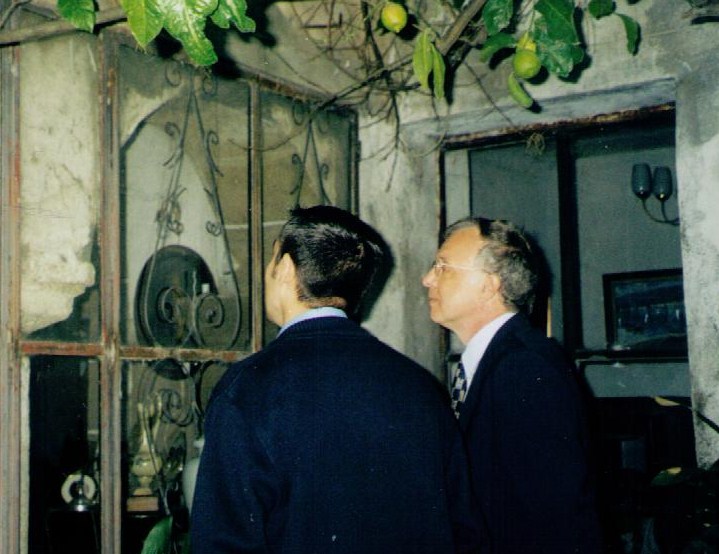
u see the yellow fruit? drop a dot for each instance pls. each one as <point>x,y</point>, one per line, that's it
<point>525,42</point>
<point>394,16</point>
<point>666,402</point>
<point>526,63</point>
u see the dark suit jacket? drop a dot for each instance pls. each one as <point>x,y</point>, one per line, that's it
<point>330,441</point>
<point>524,427</point>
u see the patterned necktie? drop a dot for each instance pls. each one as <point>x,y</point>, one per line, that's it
<point>459,388</point>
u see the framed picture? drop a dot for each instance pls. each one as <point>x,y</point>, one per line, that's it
<point>644,312</point>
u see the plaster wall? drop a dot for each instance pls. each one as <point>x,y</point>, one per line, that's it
<point>698,172</point>
<point>286,46</point>
<point>60,174</point>
<point>408,217</point>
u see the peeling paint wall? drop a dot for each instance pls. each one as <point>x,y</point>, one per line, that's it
<point>394,198</point>
<point>698,173</point>
<point>60,176</point>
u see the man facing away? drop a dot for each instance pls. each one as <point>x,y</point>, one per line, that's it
<point>518,403</point>
<point>328,440</point>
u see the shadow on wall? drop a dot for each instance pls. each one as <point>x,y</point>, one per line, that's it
<point>385,267</point>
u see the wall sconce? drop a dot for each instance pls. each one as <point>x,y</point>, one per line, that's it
<point>643,185</point>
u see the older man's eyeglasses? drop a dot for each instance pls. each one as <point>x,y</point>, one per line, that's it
<point>439,266</point>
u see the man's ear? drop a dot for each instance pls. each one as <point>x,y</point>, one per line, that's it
<point>493,284</point>
<point>286,270</point>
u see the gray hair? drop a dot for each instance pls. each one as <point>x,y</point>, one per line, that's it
<point>507,254</point>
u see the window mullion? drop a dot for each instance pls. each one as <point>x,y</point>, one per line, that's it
<point>13,474</point>
<point>256,216</point>
<point>110,370</point>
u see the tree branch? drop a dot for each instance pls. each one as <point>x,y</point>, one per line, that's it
<point>453,34</point>
<point>443,44</point>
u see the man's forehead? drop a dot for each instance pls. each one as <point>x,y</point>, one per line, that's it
<point>463,241</point>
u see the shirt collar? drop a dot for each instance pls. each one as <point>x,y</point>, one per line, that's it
<point>312,313</point>
<point>477,345</point>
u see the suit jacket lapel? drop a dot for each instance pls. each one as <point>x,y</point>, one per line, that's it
<point>487,365</point>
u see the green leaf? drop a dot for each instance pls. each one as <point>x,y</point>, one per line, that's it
<point>601,8</point>
<point>423,59</point>
<point>233,11</point>
<point>81,13</point>
<point>144,19</point>
<point>158,540</point>
<point>557,55</point>
<point>559,17</point>
<point>556,36</point>
<point>427,59</point>
<point>185,20</point>
<point>631,27</point>
<point>497,14</point>
<point>438,69</point>
<point>494,44</point>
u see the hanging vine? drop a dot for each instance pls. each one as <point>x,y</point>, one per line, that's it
<point>539,34</point>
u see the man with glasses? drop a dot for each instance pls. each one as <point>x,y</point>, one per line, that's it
<point>515,395</point>
<point>329,440</point>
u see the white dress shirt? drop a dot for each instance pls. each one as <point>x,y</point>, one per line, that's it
<point>478,344</point>
<point>324,311</point>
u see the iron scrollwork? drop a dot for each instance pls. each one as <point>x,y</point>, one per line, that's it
<point>178,303</point>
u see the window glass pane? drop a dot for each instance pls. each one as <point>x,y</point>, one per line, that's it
<point>603,177</point>
<point>306,160</point>
<point>184,205</point>
<point>64,455</point>
<point>305,156</point>
<point>162,425</point>
<point>59,190</point>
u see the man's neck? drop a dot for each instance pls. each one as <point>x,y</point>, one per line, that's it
<point>292,310</point>
<point>465,335</point>
<point>313,313</point>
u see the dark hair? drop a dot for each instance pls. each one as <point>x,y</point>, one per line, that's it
<point>508,254</point>
<point>336,255</point>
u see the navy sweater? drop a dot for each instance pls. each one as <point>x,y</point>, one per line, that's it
<point>330,441</point>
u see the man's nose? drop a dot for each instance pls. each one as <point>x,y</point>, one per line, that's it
<point>428,279</point>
